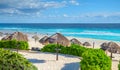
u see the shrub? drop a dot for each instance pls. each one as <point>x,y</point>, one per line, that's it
<point>72,50</point>
<point>95,59</point>
<point>77,50</point>
<point>51,48</point>
<point>23,45</point>
<point>14,61</point>
<point>119,66</point>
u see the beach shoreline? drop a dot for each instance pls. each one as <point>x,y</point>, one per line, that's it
<point>98,42</point>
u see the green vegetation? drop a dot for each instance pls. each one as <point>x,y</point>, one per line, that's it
<point>23,45</point>
<point>93,59</point>
<point>51,48</point>
<point>72,50</point>
<point>14,61</point>
<point>119,66</point>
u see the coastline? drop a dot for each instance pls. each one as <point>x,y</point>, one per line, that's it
<point>96,31</point>
<point>98,42</point>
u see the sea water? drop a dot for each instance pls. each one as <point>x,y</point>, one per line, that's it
<point>96,31</point>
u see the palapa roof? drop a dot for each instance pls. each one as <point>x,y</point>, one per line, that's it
<point>104,46</point>
<point>75,41</point>
<point>111,47</point>
<point>42,40</point>
<point>86,44</point>
<point>59,38</point>
<point>17,36</point>
<point>35,37</point>
<point>1,33</point>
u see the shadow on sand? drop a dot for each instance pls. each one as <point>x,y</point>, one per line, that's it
<point>36,61</point>
<point>64,55</point>
<point>71,66</point>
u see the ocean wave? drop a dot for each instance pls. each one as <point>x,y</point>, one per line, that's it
<point>95,33</point>
<point>64,31</point>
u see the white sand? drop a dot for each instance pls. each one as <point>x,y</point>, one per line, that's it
<point>32,43</point>
<point>97,42</point>
<point>46,61</point>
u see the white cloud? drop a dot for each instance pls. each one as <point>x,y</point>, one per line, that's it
<point>31,6</point>
<point>115,15</point>
<point>33,3</point>
<point>53,4</point>
<point>74,2</point>
<point>65,15</point>
<point>10,11</point>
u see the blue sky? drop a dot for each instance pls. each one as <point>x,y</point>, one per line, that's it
<point>59,11</point>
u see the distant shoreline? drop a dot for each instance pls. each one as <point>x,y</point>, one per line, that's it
<point>95,31</point>
<point>97,42</point>
<point>44,34</point>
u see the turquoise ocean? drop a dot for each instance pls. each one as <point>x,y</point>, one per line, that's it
<point>95,31</point>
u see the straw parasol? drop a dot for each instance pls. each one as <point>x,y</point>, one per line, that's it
<point>1,34</point>
<point>114,47</point>
<point>17,36</point>
<point>104,46</point>
<point>43,40</point>
<point>75,41</point>
<point>58,38</point>
<point>86,44</point>
<point>35,37</point>
<point>111,47</point>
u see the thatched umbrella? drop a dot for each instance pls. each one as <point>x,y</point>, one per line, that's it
<point>35,37</point>
<point>58,38</point>
<point>7,34</point>
<point>114,47</point>
<point>17,36</point>
<point>75,41</point>
<point>104,46</point>
<point>86,44</point>
<point>1,34</point>
<point>111,47</point>
<point>113,44</point>
<point>43,40</point>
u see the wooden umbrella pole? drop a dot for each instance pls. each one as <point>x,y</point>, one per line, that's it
<point>57,52</point>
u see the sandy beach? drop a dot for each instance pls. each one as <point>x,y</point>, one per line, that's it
<point>97,42</point>
<point>89,29</point>
<point>46,61</point>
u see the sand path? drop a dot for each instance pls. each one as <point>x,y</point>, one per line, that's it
<point>47,61</point>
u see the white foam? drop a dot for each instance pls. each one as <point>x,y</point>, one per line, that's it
<point>95,33</point>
